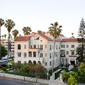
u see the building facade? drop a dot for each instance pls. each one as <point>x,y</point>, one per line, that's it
<point>38,48</point>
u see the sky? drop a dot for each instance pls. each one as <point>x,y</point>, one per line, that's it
<point>39,14</point>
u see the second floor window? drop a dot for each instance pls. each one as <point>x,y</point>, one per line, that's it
<point>72,52</point>
<point>34,46</point>
<point>30,54</point>
<point>50,55</point>
<point>45,46</point>
<point>67,52</point>
<point>19,54</point>
<point>56,47</point>
<point>72,46</point>
<point>41,54</point>
<point>50,47</point>
<point>62,46</point>
<point>24,46</point>
<point>34,54</point>
<point>41,47</point>
<point>25,54</point>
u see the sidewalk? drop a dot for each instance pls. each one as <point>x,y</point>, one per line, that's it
<point>54,82</point>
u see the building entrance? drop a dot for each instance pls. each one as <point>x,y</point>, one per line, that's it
<point>72,62</point>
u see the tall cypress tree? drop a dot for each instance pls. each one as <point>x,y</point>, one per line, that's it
<point>81,41</point>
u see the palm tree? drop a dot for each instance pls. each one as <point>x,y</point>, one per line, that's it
<point>39,31</point>
<point>4,35</point>
<point>26,30</point>
<point>1,23</point>
<point>55,32</point>
<point>19,34</point>
<point>15,33</point>
<point>9,24</point>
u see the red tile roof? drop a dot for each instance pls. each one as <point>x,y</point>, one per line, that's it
<point>44,36</point>
<point>72,56</point>
<point>23,38</point>
<point>69,40</point>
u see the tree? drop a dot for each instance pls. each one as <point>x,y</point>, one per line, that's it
<point>72,80</point>
<point>1,23</point>
<point>55,32</point>
<point>4,35</point>
<point>24,70</point>
<point>38,69</point>
<point>15,33</point>
<point>26,30</point>
<point>41,32</point>
<point>9,24</point>
<point>3,51</point>
<point>81,40</point>
<point>72,35</point>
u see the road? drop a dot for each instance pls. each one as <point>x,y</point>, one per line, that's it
<point>7,81</point>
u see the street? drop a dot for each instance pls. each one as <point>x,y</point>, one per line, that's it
<point>6,81</point>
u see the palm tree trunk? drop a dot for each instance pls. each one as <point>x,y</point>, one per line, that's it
<point>8,48</point>
<point>53,54</point>
<point>0,42</point>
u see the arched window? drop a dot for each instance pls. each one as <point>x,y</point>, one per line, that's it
<point>19,46</point>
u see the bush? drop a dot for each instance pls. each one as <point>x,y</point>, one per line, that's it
<point>72,80</point>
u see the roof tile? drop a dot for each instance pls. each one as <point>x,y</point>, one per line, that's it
<point>23,38</point>
<point>69,40</point>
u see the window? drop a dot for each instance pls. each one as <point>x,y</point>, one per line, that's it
<point>41,47</point>
<point>45,63</point>
<point>56,60</point>
<point>19,61</point>
<point>56,54</point>
<point>24,46</point>
<point>38,46</point>
<point>50,63</point>
<point>50,55</point>
<point>41,54</point>
<point>19,46</point>
<point>34,54</point>
<point>72,46</point>
<point>25,54</point>
<point>30,54</point>
<point>19,54</point>
<point>40,40</point>
<point>67,46</point>
<point>56,47</point>
<point>34,46</point>
<point>31,46</point>
<point>24,62</point>
<point>36,37</point>
<point>45,46</point>
<point>67,52</point>
<point>72,52</point>
<point>62,46</point>
<point>62,53</point>
<point>50,47</point>
<point>45,54</point>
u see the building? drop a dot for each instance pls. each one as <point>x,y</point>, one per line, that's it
<point>4,42</point>
<point>38,48</point>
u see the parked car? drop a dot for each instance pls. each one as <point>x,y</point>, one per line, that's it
<point>1,60</point>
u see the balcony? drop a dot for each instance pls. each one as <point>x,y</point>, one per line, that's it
<point>34,49</point>
<point>62,55</point>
